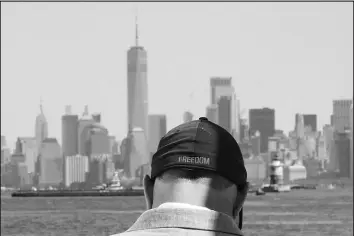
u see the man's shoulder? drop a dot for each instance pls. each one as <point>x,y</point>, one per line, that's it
<point>151,232</point>
<point>172,232</point>
<point>142,233</point>
<point>172,221</point>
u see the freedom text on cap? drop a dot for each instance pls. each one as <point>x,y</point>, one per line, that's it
<point>194,160</point>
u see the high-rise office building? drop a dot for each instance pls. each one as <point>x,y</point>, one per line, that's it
<point>299,125</point>
<point>30,151</point>
<point>137,87</point>
<point>98,143</point>
<point>222,87</point>
<point>76,168</point>
<point>41,127</point>
<point>99,151</point>
<point>113,145</point>
<point>96,117</point>
<point>69,125</point>
<point>125,150</point>
<point>51,163</point>
<point>5,156</point>
<point>341,116</point>
<point>212,113</point>
<point>3,141</point>
<point>244,131</point>
<point>256,144</point>
<point>218,87</point>
<point>310,120</point>
<point>262,120</point>
<point>158,128</point>
<point>84,125</point>
<point>225,112</point>
<point>187,116</point>
<point>332,120</point>
<point>139,154</point>
<point>329,148</point>
<point>342,153</point>
<point>351,142</point>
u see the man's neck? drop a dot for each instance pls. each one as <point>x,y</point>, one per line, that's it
<point>181,205</point>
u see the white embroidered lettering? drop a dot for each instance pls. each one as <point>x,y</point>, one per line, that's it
<point>194,160</point>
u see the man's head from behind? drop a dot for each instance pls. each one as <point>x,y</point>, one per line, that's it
<point>198,163</point>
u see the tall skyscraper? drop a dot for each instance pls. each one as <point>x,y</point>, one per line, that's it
<point>30,151</point>
<point>342,153</point>
<point>139,154</point>
<point>100,153</point>
<point>96,117</point>
<point>262,120</point>
<point>157,127</point>
<point>137,86</point>
<point>212,113</point>
<point>351,142</point>
<point>41,128</point>
<point>69,134</point>
<point>218,86</point>
<point>3,141</point>
<point>311,121</point>
<point>299,125</point>
<point>328,139</point>
<point>83,128</point>
<point>222,87</point>
<point>224,112</point>
<point>51,163</point>
<point>98,142</point>
<point>76,169</point>
<point>187,116</point>
<point>341,110</point>
<point>244,131</point>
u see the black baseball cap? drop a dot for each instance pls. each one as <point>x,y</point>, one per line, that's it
<point>200,144</point>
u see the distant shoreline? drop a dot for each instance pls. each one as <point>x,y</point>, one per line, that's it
<point>77,193</point>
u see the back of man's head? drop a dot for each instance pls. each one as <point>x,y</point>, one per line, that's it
<point>198,163</point>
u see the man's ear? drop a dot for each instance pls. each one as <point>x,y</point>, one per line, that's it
<point>148,191</point>
<point>240,199</point>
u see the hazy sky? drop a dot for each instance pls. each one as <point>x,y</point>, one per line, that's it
<point>293,57</point>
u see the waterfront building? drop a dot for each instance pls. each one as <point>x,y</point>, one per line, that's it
<point>341,114</point>
<point>262,120</point>
<point>51,163</point>
<point>69,132</point>
<point>139,154</point>
<point>76,168</point>
<point>158,128</point>
<point>83,127</point>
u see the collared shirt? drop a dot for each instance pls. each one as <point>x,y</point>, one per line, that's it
<point>182,219</point>
<point>181,205</point>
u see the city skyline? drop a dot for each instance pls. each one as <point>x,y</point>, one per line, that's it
<point>89,67</point>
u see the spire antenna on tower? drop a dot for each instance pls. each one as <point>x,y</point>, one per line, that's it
<point>136,28</point>
<point>41,104</point>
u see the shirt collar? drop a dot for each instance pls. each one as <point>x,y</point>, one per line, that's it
<point>181,205</point>
<point>172,215</point>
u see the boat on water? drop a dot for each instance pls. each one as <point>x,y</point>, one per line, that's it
<point>115,183</point>
<point>78,193</point>
<point>115,188</point>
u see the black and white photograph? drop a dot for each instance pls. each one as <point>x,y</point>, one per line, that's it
<point>177,118</point>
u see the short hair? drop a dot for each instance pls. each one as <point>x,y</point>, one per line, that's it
<point>215,181</point>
